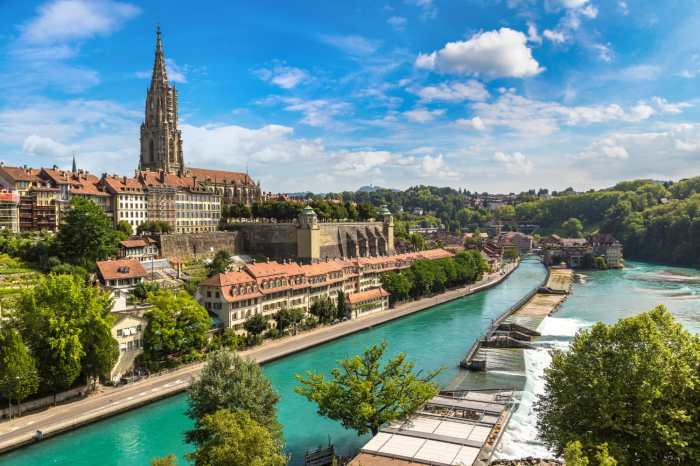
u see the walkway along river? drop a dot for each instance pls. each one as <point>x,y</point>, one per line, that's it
<point>433,338</point>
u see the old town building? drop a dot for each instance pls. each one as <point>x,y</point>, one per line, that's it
<point>265,288</point>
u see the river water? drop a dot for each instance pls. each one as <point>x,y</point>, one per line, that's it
<point>436,337</point>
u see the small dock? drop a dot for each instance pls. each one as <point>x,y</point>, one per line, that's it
<point>496,359</point>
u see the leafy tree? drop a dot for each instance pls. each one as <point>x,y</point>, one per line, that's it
<point>142,289</point>
<point>572,228</point>
<point>397,285</point>
<point>124,229</point>
<point>343,310</point>
<point>154,226</point>
<point>255,324</point>
<point>18,375</point>
<point>177,326</point>
<point>169,460</point>
<point>323,309</point>
<point>363,395</point>
<point>511,254</point>
<point>219,263</point>
<point>67,323</point>
<point>86,235</point>
<point>575,456</point>
<point>633,385</point>
<point>600,263</point>
<point>234,438</point>
<point>231,382</point>
<point>286,318</point>
<point>417,241</point>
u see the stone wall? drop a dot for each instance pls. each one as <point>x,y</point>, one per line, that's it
<point>198,245</point>
<point>273,240</point>
<point>352,239</point>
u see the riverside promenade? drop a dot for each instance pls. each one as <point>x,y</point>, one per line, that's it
<point>110,401</point>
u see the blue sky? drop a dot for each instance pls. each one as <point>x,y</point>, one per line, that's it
<point>488,95</point>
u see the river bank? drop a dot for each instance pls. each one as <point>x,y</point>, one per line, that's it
<point>112,401</point>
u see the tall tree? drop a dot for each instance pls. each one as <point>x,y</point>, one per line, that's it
<point>634,385</point>
<point>86,235</point>
<point>231,382</point>
<point>219,264</point>
<point>572,228</point>
<point>324,310</point>
<point>343,310</point>
<point>101,349</point>
<point>18,375</point>
<point>234,438</point>
<point>255,325</point>
<point>363,395</point>
<point>124,229</point>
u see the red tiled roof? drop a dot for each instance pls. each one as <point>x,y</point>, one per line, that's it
<point>269,269</point>
<point>227,279</point>
<point>118,269</point>
<point>133,243</point>
<point>121,184</point>
<point>20,173</point>
<point>374,293</point>
<point>321,268</point>
<point>221,176</point>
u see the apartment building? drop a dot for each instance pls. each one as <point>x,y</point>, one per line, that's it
<point>265,288</point>
<point>129,199</point>
<point>9,211</point>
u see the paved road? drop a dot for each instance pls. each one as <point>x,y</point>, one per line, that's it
<point>109,401</point>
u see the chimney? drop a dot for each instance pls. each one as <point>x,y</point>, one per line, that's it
<point>124,180</point>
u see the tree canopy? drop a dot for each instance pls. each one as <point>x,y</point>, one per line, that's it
<point>363,394</point>
<point>219,264</point>
<point>18,375</point>
<point>634,385</point>
<point>86,235</point>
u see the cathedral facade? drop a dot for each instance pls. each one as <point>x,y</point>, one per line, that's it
<point>161,144</point>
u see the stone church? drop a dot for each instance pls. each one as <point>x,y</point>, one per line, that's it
<point>161,143</point>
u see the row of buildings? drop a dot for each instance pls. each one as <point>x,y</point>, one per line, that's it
<point>163,188</point>
<point>581,252</point>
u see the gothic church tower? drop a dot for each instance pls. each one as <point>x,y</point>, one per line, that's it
<point>161,140</point>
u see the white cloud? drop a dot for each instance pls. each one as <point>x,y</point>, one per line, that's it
<point>286,77</point>
<point>316,112</point>
<point>360,162</point>
<point>471,123</point>
<point>643,72</point>
<point>664,106</point>
<point>501,53</point>
<point>46,147</point>
<point>352,44</point>
<point>515,163</point>
<point>557,37</point>
<point>604,52</point>
<point>623,7</point>
<point>428,8</point>
<point>573,3</point>
<point>453,92</point>
<point>423,115</point>
<point>532,34</point>
<point>66,20</point>
<point>397,22</point>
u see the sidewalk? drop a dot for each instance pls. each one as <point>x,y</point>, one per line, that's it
<point>111,401</point>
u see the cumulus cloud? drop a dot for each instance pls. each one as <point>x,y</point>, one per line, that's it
<point>515,163</point>
<point>65,20</point>
<point>315,112</point>
<point>423,115</point>
<point>360,162</point>
<point>532,34</point>
<point>501,53</point>
<point>453,92</point>
<point>46,147</point>
<point>471,123</point>
<point>279,74</point>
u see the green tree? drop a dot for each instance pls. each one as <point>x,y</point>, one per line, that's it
<point>124,229</point>
<point>234,438</point>
<point>417,241</point>
<point>219,263</point>
<point>286,318</point>
<point>177,327</point>
<point>18,375</point>
<point>363,395</point>
<point>86,235</point>
<point>231,382</point>
<point>343,310</point>
<point>323,309</point>
<point>572,228</point>
<point>397,285</point>
<point>67,323</point>
<point>169,460</point>
<point>255,325</point>
<point>633,385</point>
<point>575,456</point>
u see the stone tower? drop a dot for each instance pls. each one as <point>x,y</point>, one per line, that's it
<point>308,236</point>
<point>161,140</point>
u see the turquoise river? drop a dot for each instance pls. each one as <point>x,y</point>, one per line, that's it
<point>433,338</point>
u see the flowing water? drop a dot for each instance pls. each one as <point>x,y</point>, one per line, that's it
<point>436,337</point>
<point>606,296</point>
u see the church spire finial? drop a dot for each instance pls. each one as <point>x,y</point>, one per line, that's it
<point>75,166</point>
<point>159,72</point>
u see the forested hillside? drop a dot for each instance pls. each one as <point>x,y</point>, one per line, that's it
<point>655,221</point>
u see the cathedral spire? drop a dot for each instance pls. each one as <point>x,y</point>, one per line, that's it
<point>75,166</point>
<point>160,74</point>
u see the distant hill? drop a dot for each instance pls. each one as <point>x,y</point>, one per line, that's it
<point>372,188</point>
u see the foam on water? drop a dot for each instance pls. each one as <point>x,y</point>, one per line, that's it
<point>520,437</point>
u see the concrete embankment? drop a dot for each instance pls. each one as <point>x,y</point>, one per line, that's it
<point>500,350</point>
<point>111,401</point>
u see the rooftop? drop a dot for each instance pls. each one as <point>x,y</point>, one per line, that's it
<point>120,269</point>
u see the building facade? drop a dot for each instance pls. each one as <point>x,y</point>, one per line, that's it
<point>265,288</point>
